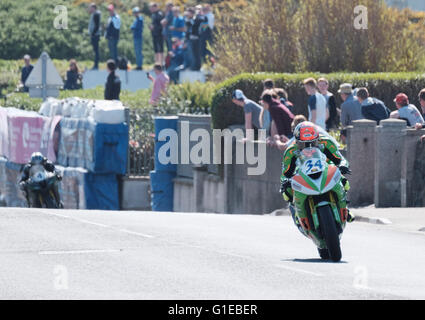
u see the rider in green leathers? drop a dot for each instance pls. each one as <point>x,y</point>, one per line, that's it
<point>307,134</point>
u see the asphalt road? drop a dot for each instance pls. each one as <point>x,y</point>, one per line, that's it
<point>65,254</point>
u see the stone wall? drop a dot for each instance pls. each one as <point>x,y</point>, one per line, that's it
<point>387,163</point>
<point>234,191</point>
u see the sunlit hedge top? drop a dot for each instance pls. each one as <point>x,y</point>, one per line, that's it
<point>384,86</point>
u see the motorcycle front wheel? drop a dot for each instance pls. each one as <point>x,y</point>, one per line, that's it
<point>329,232</point>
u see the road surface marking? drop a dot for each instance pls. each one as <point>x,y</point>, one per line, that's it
<point>99,224</point>
<point>78,251</point>
<point>136,233</point>
<point>299,270</point>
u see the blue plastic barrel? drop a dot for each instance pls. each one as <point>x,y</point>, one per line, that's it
<point>160,124</point>
<point>162,191</point>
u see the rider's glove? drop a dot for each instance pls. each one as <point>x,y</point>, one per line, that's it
<point>344,170</point>
<point>285,185</point>
<point>22,185</point>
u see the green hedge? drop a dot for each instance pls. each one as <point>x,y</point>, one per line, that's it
<point>383,86</point>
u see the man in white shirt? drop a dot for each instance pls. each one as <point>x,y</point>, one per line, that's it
<point>318,112</point>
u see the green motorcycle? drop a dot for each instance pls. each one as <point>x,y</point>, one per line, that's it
<point>320,205</point>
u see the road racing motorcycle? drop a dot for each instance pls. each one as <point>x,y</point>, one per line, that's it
<point>319,207</point>
<point>42,183</point>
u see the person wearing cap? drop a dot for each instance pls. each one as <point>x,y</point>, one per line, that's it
<point>251,109</point>
<point>351,108</point>
<point>137,28</point>
<point>94,32</point>
<point>372,108</point>
<point>156,29</point>
<point>406,111</point>
<point>25,72</point>
<point>112,34</point>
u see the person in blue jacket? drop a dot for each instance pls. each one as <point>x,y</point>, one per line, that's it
<point>177,60</point>
<point>137,29</point>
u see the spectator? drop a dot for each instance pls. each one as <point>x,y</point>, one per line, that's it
<point>188,55</point>
<point>297,120</point>
<point>372,108</point>
<point>195,21</point>
<point>94,32</point>
<point>317,110</point>
<point>283,97</point>
<point>160,84</point>
<point>137,29</point>
<point>156,30</point>
<point>421,97</point>
<point>332,122</point>
<point>206,33</point>
<point>113,32</point>
<point>73,76</point>
<point>406,111</point>
<point>268,84</point>
<point>251,109</point>
<point>113,82</point>
<point>177,60</point>
<point>166,24</point>
<point>178,26</point>
<point>422,101</point>
<point>26,70</point>
<point>280,115</point>
<point>351,107</point>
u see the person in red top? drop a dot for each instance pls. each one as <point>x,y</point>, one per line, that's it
<point>281,118</point>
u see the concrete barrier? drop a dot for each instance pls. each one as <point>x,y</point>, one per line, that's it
<point>361,145</point>
<point>390,136</point>
<point>130,80</point>
<point>135,193</point>
<point>413,170</point>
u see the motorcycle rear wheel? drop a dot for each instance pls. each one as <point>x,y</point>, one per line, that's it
<point>330,233</point>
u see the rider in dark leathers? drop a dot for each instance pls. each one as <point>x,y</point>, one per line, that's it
<point>36,159</point>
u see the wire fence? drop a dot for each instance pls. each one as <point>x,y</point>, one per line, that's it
<point>141,142</point>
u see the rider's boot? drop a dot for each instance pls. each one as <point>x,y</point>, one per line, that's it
<point>346,185</point>
<point>57,196</point>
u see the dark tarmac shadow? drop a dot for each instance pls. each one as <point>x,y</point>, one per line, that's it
<point>311,260</point>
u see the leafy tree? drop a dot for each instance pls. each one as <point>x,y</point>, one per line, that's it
<point>316,35</point>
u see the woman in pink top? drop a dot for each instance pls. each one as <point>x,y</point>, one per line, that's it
<point>160,84</point>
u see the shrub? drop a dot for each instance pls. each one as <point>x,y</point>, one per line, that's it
<point>193,98</point>
<point>383,86</point>
<point>316,35</point>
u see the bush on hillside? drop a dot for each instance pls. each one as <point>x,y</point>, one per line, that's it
<point>384,86</point>
<point>316,35</point>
